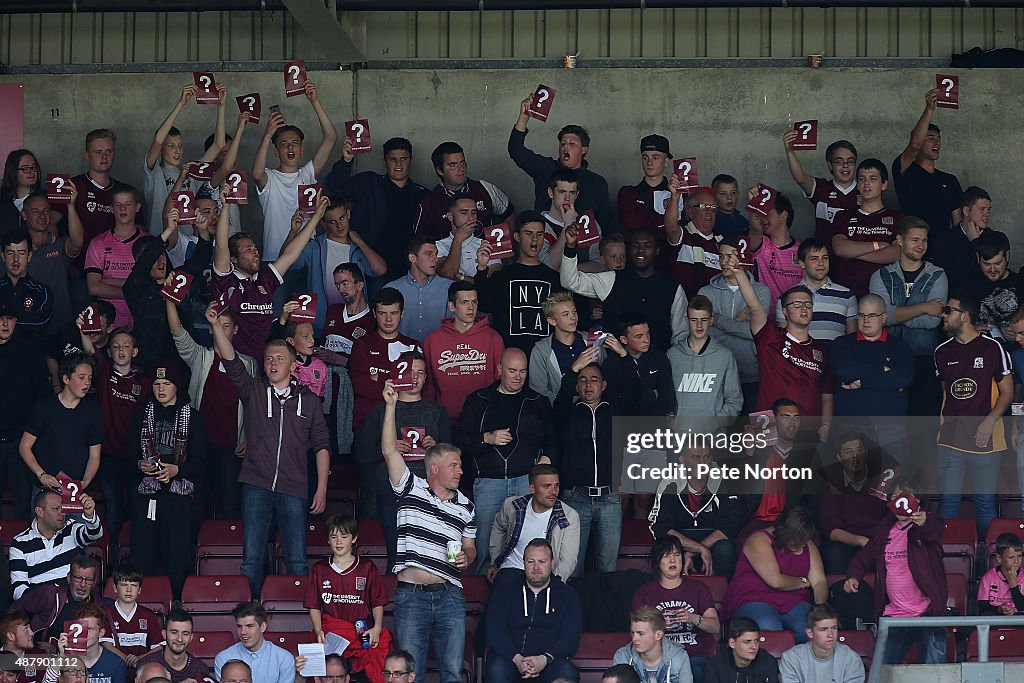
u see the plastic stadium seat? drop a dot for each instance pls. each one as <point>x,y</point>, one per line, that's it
<point>1009,507</point>
<point>958,598</point>
<point>861,642</point>
<point>124,544</point>
<point>220,547</point>
<point>595,654</point>
<point>960,546</point>
<point>156,593</point>
<point>9,528</point>
<point>1002,526</point>
<point>476,591</point>
<point>777,642</point>
<point>716,584</point>
<point>282,597</point>
<point>290,641</point>
<point>390,586</point>
<point>206,645</point>
<point>343,482</point>
<point>214,594</point>
<point>371,544</point>
<point>1004,645</point>
<point>213,621</point>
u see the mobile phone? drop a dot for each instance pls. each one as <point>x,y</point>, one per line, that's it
<point>275,109</point>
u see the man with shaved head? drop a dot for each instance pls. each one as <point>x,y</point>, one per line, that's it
<point>150,671</point>
<point>506,429</point>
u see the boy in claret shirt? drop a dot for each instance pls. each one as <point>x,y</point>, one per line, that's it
<point>345,590</point>
<point>999,591</point>
<point>134,629</point>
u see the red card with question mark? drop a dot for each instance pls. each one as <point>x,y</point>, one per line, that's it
<point>500,239</point>
<point>201,170</point>
<point>765,423</point>
<point>401,375</point>
<point>306,312</point>
<point>806,135</point>
<point>58,187</point>
<point>91,320</point>
<point>745,260</point>
<point>949,91</point>
<point>414,437</point>
<point>78,636</point>
<point>904,505</point>
<point>185,203</point>
<point>70,493</point>
<point>250,103</point>
<point>220,304</point>
<point>238,188</point>
<point>207,88</point>
<point>763,202</point>
<point>307,197</point>
<point>588,231</point>
<point>686,170</point>
<point>177,289</point>
<point>358,132</point>
<point>880,486</point>
<point>540,105</point>
<point>295,78</point>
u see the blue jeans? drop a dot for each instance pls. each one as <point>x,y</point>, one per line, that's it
<point>261,507</point>
<point>931,645</point>
<point>698,667</point>
<point>439,618</point>
<point>953,465</point>
<point>488,497</point>
<point>501,670</point>
<point>769,619</point>
<point>603,516</point>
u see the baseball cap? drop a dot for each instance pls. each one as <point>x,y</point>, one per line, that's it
<point>654,143</point>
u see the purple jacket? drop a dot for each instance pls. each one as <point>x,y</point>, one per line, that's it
<point>924,555</point>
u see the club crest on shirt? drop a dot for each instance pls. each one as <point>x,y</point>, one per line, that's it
<point>358,333</point>
<point>360,583</point>
<point>136,390</point>
<point>260,289</point>
<point>979,362</point>
<point>28,303</point>
<point>817,355</point>
<point>143,623</point>
<point>480,206</point>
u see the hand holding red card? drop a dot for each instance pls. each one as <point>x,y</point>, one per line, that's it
<point>500,239</point>
<point>588,231</point>
<point>185,203</point>
<point>905,504</point>
<point>207,86</point>
<point>540,106</point>
<point>595,337</point>
<point>763,201</point>
<point>250,103</point>
<point>806,135</point>
<point>401,375</point>
<point>414,437</point>
<point>238,188</point>
<point>686,170</point>
<point>358,132</point>
<point>220,304</point>
<point>176,289</point>
<point>295,78</point>
<point>306,312</point>
<point>91,323</point>
<point>70,493</point>
<point>58,187</point>
<point>201,170</point>
<point>77,632</point>
<point>765,423</point>
<point>949,91</point>
<point>307,197</point>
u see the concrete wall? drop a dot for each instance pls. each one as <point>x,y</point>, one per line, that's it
<point>730,119</point>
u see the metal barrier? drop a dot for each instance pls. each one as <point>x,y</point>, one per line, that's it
<point>983,624</point>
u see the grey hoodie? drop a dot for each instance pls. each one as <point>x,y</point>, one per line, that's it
<point>707,384</point>
<point>735,334</point>
<point>674,666</point>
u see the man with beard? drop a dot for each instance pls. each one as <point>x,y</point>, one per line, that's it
<point>48,606</point>
<point>456,253</point>
<point>996,288</point>
<point>515,295</point>
<point>174,655</point>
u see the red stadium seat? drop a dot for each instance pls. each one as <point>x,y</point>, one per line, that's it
<point>282,597</point>
<point>156,593</point>
<point>635,545</point>
<point>9,528</point>
<point>206,645</point>
<point>716,584</point>
<point>1004,645</point>
<point>958,599</point>
<point>124,543</point>
<point>213,621</point>
<point>595,654</point>
<point>390,586</point>
<point>1009,507</point>
<point>476,591</point>
<point>290,641</point>
<point>220,547</point>
<point>861,642</point>
<point>960,546</point>
<point>777,642</point>
<point>343,482</point>
<point>214,594</point>
<point>1002,526</point>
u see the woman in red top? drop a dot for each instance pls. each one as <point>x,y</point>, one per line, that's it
<point>778,574</point>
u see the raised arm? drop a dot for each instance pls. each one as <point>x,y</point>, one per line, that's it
<point>153,155</point>
<point>388,436</point>
<point>219,139</point>
<point>802,178</point>
<point>758,315</point>
<point>259,164</point>
<point>293,249</point>
<point>920,132</point>
<point>377,263</point>
<point>221,343</point>
<point>76,231</point>
<point>231,157</point>
<point>222,255</point>
<point>673,230</point>
<point>330,133</point>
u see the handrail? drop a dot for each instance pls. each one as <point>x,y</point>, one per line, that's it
<point>983,624</point>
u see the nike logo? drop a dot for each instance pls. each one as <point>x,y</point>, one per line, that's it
<point>651,372</point>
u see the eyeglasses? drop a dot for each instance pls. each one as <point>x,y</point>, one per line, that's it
<point>83,579</point>
<point>705,207</point>
<point>946,310</point>
<point>844,162</point>
<point>801,304</point>
<point>29,169</point>
<point>334,678</point>
<point>393,674</point>
<point>869,316</point>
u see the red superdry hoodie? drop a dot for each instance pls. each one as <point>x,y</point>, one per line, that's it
<point>461,363</point>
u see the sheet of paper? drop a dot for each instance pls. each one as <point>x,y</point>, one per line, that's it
<point>316,662</point>
<point>335,644</point>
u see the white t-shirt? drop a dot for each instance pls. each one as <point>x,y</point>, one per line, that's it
<point>467,260</point>
<point>534,526</point>
<point>159,181</point>
<point>279,198</point>
<point>337,253</point>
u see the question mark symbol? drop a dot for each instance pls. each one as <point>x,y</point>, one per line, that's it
<point>415,436</point>
<point>89,313</point>
<point>206,81</point>
<point>185,201</point>
<point>293,71</point>
<point>889,474</point>
<point>584,222</point>
<point>59,182</point>
<point>903,503</point>
<point>358,129</point>
<point>743,247</point>
<point>305,300</point>
<point>948,82</point>
<point>76,631</point>
<point>402,367</point>
<point>310,193</point>
<point>235,179</point>
<point>685,168</point>
<point>497,233</point>
<point>73,487</point>
<point>181,279</point>
<point>250,101</point>
<point>805,129</point>
<point>766,195</point>
<point>542,96</point>
<point>202,168</point>
<point>764,421</point>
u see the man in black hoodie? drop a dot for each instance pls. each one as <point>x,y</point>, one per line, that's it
<point>744,661</point>
<point>505,429</point>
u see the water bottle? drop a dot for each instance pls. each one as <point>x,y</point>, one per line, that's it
<point>363,632</point>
